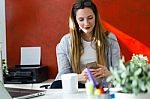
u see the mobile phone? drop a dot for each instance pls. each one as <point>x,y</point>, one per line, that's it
<point>92,65</point>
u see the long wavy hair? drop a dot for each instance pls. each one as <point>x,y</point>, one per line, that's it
<point>99,36</point>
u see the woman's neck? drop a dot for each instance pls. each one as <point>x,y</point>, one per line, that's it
<point>87,36</point>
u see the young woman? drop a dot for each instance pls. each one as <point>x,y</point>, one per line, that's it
<point>86,44</point>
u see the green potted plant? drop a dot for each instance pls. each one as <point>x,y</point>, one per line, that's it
<point>133,78</point>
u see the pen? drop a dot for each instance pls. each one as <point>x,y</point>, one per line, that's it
<point>91,77</point>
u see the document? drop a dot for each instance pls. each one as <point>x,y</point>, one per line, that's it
<point>30,55</point>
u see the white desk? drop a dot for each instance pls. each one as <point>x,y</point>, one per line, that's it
<point>58,94</point>
<point>55,93</point>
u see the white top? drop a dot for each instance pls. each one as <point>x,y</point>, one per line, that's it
<point>89,54</point>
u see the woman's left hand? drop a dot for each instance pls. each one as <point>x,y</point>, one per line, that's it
<point>101,71</point>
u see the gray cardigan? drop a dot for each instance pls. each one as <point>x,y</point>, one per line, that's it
<point>63,54</point>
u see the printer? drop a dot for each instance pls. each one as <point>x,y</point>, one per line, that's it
<point>27,74</point>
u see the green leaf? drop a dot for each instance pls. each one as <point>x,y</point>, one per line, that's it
<point>116,75</point>
<point>121,64</point>
<point>123,81</point>
<point>136,73</point>
<point>123,75</point>
<point>110,78</point>
<point>148,86</point>
<point>135,90</point>
<point>142,86</point>
<point>134,83</point>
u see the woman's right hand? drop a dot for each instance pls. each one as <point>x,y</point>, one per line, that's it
<point>83,76</point>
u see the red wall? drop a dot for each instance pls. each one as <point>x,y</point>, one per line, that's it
<point>44,22</point>
<point>36,23</point>
<point>130,21</point>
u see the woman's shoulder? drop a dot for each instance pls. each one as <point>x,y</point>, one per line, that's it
<point>112,36</point>
<point>112,39</point>
<point>65,39</point>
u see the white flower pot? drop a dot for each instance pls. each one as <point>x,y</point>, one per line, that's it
<point>132,96</point>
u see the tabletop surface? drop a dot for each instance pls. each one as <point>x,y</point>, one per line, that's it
<point>58,94</point>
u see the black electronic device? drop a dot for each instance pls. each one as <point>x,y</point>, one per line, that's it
<point>27,75</point>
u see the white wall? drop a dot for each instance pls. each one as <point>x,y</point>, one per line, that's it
<point>2,28</point>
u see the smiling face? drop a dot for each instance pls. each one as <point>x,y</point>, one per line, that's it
<point>85,19</point>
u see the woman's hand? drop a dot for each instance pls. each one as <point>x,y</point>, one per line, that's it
<point>83,76</point>
<point>101,71</point>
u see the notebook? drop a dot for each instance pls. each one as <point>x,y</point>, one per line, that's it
<point>18,93</point>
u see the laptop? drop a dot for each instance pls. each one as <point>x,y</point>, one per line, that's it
<point>19,93</point>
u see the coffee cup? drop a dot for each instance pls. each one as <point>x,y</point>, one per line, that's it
<point>70,83</point>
